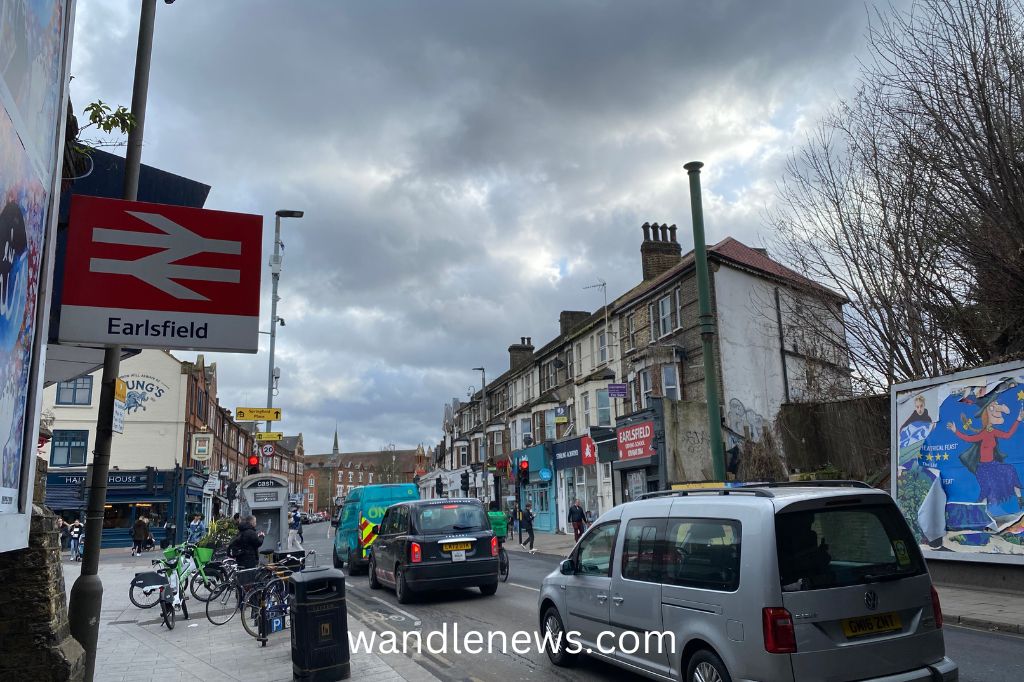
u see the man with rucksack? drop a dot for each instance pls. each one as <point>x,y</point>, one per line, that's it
<point>245,548</point>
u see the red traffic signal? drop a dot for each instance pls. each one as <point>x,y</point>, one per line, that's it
<point>254,464</point>
<point>524,466</point>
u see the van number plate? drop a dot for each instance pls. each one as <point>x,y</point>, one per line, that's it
<point>872,625</point>
<point>461,545</point>
<point>459,555</point>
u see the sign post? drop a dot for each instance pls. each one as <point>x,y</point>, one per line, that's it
<point>258,414</point>
<point>269,436</point>
<point>120,405</point>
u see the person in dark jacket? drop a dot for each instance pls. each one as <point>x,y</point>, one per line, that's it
<point>246,545</point>
<point>140,533</point>
<point>577,517</point>
<point>526,524</point>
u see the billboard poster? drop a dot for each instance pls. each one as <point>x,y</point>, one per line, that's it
<point>958,446</point>
<point>33,55</point>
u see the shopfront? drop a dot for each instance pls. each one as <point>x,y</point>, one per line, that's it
<point>130,495</point>
<point>540,491</point>
<point>575,463</point>
<point>639,469</point>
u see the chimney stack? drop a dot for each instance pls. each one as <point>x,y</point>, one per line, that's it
<point>658,255</point>
<point>520,354</point>
<point>570,319</point>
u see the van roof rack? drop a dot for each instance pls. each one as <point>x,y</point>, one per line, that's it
<point>756,489</point>
<point>756,492</point>
<point>813,484</point>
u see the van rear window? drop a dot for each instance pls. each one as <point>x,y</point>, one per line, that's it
<point>836,547</point>
<point>451,518</point>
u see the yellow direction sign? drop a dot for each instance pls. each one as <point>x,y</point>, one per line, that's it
<point>269,436</point>
<point>121,391</point>
<point>258,414</point>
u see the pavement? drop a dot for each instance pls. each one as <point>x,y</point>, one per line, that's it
<point>992,610</point>
<point>134,646</point>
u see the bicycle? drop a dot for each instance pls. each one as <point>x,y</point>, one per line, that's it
<point>241,584</point>
<point>190,564</point>
<point>503,562</point>
<point>266,606</point>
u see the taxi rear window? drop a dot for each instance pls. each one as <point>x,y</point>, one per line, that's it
<point>842,546</point>
<point>451,518</point>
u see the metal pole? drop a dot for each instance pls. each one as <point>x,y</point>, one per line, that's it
<point>86,598</point>
<point>275,275</point>
<point>707,323</point>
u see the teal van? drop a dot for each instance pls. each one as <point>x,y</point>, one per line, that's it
<point>363,509</point>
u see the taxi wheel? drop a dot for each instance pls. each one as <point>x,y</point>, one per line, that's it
<point>374,583</point>
<point>402,592</point>
<point>705,666</point>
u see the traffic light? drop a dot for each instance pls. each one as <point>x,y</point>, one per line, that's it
<point>465,482</point>
<point>439,486</point>
<point>524,471</point>
<point>150,479</point>
<point>254,464</point>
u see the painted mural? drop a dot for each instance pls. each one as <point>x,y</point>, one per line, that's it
<point>960,463</point>
<point>31,81</point>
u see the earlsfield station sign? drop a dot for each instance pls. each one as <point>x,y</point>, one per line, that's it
<point>157,276</point>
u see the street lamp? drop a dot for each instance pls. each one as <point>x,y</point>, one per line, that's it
<point>275,274</point>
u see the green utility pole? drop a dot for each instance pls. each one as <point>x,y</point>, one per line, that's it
<point>707,322</point>
<point>86,597</point>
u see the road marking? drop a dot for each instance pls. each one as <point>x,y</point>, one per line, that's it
<point>414,619</point>
<point>524,587</point>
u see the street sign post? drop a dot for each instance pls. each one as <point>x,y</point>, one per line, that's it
<point>120,405</point>
<point>154,276</point>
<point>268,450</point>
<point>617,390</point>
<point>258,414</point>
<point>269,436</point>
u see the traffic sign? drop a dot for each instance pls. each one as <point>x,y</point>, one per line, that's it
<point>268,449</point>
<point>258,414</point>
<point>269,436</point>
<point>120,405</point>
<point>155,276</point>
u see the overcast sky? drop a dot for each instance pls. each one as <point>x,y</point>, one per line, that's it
<point>466,168</point>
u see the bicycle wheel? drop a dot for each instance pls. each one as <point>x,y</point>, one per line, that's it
<point>503,565</point>
<point>258,603</point>
<point>223,604</point>
<point>167,613</point>
<point>202,587</point>
<point>144,598</point>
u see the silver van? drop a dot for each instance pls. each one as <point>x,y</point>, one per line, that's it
<point>812,581</point>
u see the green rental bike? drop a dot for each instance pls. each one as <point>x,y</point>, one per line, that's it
<point>192,568</point>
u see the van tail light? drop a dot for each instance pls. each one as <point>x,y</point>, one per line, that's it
<point>494,546</point>
<point>779,635</point>
<point>415,553</point>
<point>936,608</point>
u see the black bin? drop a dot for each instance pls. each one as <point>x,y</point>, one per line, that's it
<point>319,625</point>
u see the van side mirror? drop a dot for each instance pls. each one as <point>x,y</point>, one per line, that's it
<point>567,567</point>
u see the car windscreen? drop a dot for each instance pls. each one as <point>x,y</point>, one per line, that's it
<point>840,546</point>
<point>450,518</point>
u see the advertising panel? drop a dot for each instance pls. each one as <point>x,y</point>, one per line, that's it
<point>636,440</point>
<point>33,71</point>
<point>958,463</point>
<point>567,454</point>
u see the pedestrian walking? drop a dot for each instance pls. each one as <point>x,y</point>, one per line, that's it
<point>76,531</point>
<point>294,528</point>
<point>526,523</point>
<point>62,528</point>
<point>196,529</point>
<point>140,534</point>
<point>246,545</point>
<point>576,518</point>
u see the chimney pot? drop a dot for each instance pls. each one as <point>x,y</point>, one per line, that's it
<point>647,231</point>
<point>672,234</point>
<point>664,232</point>
<point>654,232</point>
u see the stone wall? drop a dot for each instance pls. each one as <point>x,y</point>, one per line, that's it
<point>687,442</point>
<point>34,632</point>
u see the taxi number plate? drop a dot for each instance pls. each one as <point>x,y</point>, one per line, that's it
<point>461,545</point>
<point>872,625</point>
<point>459,555</point>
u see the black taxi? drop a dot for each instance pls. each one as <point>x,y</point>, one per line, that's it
<point>441,544</point>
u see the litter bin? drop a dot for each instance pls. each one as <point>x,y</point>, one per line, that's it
<point>319,625</point>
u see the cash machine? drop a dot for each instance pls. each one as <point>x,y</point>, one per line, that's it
<point>265,496</point>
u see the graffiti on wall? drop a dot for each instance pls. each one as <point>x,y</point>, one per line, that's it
<point>960,463</point>
<point>741,424</point>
